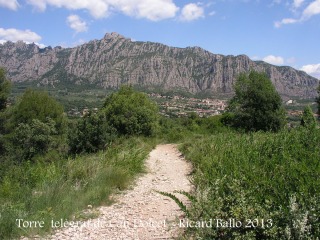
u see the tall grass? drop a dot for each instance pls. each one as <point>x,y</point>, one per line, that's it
<point>62,189</point>
<point>271,178</point>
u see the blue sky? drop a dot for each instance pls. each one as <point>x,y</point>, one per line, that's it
<point>281,32</point>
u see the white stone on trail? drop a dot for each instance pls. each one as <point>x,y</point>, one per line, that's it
<point>141,212</point>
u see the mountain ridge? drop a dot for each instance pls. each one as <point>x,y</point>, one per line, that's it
<point>115,60</point>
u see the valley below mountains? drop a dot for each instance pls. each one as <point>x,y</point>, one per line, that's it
<point>116,60</point>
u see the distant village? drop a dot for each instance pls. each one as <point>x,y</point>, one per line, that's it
<point>182,106</point>
<point>179,106</point>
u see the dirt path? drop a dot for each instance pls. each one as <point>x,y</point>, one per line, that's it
<point>141,213</point>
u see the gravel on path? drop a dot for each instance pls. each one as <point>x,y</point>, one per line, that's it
<point>141,212</point>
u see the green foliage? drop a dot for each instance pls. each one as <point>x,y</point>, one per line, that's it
<point>37,105</point>
<point>92,133</point>
<point>318,99</point>
<point>272,177</point>
<point>181,205</point>
<point>4,89</point>
<point>4,93</point>
<point>179,129</point>
<point>131,112</point>
<point>256,104</point>
<point>32,139</point>
<point>32,127</point>
<point>307,119</point>
<point>46,191</point>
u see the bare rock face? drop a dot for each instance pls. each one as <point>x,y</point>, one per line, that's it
<point>116,60</point>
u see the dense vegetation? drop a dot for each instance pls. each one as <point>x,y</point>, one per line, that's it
<point>247,166</point>
<point>271,179</point>
<point>256,104</point>
<point>131,112</point>
<point>253,184</point>
<point>4,89</point>
<point>318,100</point>
<point>54,188</point>
<point>47,162</point>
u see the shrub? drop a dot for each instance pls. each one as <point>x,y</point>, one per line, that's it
<point>29,140</point>
<point>37,105</point>
<point>256,176</point>
<point>256,104</point>
<point>131,112</point>
<point>4,89</point>
<point>307,118</point>
<point>318,100</point>
<point>92,133</point>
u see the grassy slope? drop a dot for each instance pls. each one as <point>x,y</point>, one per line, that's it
<point>264,176</point>
<point>62,189</point>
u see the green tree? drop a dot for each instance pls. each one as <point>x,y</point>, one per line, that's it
<point>31,139</point>
<point>92,133</point>
<point>37,105</point>
<point>307,119</point>
<point>256,104</point>
<point>131,112</point>
<point>318,100</point>
<point>4,89</point>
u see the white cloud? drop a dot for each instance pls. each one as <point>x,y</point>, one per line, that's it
<point>312,9</point>
<point>154,10</point>
<point>297,3</point>
<point>14,35</point>
<point>97,8</point>
<point>285,21</point>
<point>39,4</point>
<point>77,24</point>
<point>40,45</point>
<point>191,12</point>
<point>11,4</point>
<point>312,69</point>
<point>274,60</point>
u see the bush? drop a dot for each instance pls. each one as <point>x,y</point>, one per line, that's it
<point>62,189</point>
<point>4,89</point>
<point>131,112</point>
<point>256,176</point>
<point>37,105</point>
<point>256,104</point>
<point>92,133</point>
<point>318,100</point>
<point>29,140</point>
<point>307,119</point>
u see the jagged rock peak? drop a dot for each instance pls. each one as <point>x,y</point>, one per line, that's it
<point>115,60</point>
<point>112,35</point>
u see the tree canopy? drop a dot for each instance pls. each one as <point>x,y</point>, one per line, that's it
<point>307,119</point>
<point>256,104</point>
<point>131,112</point>
<point>4,89</point>
<point>90,134</point>
<point>37,105</point>
<point>318,100</point>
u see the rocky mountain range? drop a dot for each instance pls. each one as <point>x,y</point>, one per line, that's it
<point>116,60</point>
